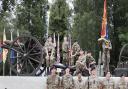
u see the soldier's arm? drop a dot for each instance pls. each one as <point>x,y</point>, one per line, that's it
<point>110,45</point>
<point>53,51</point>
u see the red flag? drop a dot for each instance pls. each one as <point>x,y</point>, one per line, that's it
<point>104,22</point>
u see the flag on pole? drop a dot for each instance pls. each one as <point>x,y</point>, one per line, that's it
<point>12,53</point>
<point>104,30</point>
<point>12,56</point>
<point>5,51</point>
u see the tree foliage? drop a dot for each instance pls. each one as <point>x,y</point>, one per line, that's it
<point>59,17</point>
<point>31,17</point>
<point>85,28</point>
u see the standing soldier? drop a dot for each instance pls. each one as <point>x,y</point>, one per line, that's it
<point>53,80</point>
<point>50,53</point>
<point>67,80</point>
<point>106,47</point>
<point>81,62</point>
<point>75,53</point>
<point>122,84</point>
<point>79,82</point>
<point>65,49</point>
<point>108,82</point>
<point>93,82</point>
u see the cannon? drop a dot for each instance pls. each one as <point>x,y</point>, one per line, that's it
<point>122,66</point>
<point>27,55</point>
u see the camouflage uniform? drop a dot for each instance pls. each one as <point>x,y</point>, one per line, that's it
<point>93,83</point>
<point>80,63</point>
<point>53,82</point>
<point>65,49</point>
<point>75,53</point>
<point>79,84</point>
<point>108,84</point>
<point>122,84</point>
<point>106,46</point>
<point>50,53</point>
<point>89,59</point>
<point>67,82</point>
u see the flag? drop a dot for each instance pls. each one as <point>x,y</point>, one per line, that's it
<point>0,52</point>
<point>12,56</point>
<point>12,53</point>
<point>5,51</point>
<point>104,30</point>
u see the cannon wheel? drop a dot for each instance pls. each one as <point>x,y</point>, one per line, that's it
<point>123,54</point>
<point>26,56</point>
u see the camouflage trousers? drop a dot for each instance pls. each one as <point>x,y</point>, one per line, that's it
<point>65,59</point>
<point>50,61</point>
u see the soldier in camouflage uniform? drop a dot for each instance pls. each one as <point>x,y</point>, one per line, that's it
<point>81,62</point>
<point>50,53</point>
<point>122,84</point>
<point>65,49</point>
<point>93,82</point>
<point>90,61</point>
<point>108,82</point>
<point>79,82</point>
<point>67,80</point>
<point>75,53</point>
<point>106,47</point>
<point>53,80</point>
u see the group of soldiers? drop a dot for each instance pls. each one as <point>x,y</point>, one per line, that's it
<point>72,55</point>
<point>54,81</point>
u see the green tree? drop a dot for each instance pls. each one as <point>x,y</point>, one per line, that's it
<point>31,17</point>
<point>85,28</point>
<point>59,17</point>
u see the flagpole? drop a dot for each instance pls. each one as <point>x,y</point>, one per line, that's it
<point>4,52</point>
<point>11,31</point>
<point>17,53</point>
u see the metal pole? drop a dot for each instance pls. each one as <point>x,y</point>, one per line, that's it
<point>11,31</point>
<point>17,54</point>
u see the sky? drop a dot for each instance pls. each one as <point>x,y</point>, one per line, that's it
<point>68,1</point>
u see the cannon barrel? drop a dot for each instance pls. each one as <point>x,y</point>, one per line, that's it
<point>6,44</point>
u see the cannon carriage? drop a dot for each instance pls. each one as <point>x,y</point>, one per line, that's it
<point>25,55</point>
